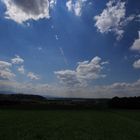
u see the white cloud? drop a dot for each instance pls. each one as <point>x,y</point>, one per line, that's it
<point>112,18</point>
<point>5,71</point>
<point>4,64</point>
<point>21,87</point>
<point>33,76</point>
<point>75,6</point>
<point>17,60</point>
<point>53,3</point>
<point>85,72</point>
<point>69,78</point>
<point>5,74</point>
<point>136,64</point>
<point>23,10</point>
<point>69,5</point>
<point>90,69</point>
<point>120,89</point>
<point>136,44</point>
<point>136,47</point>
<point>21,69</point>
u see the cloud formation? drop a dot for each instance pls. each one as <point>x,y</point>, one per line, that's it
<point>136,44</point>
<point>52,3</point>
<point>85,72</point>
<point>24,10</point>
<point>17,60</point>
<point>75,6</point>
<point>33,76</point>
<point>111,19</point>
<point>22,87</point>
<point>136,47</point>
<point>136,64</point>
<point>121,89</point>
<point>5,71</point>
<point>21,69</point>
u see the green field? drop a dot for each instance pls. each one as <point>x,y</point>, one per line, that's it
<point>69,125</point>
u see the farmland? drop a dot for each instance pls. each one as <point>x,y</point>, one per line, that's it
<point>69,124</point>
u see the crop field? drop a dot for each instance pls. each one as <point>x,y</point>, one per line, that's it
<point>69,125</point>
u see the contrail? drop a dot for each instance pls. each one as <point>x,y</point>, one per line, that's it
<point>63,55</point>
<point>61,51</point>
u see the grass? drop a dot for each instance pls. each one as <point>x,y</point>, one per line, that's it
<point>69,125</point>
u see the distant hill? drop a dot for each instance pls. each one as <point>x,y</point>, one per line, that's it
<point>20,100</point>
<point>26,101</point>
<point>36,101</point>
<point>21,97</point>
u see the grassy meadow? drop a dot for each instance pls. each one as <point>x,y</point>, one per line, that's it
<point>69,125</point>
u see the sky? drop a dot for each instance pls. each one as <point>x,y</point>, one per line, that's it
<point>70,48</point>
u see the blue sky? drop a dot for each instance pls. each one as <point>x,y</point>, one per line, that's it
<point>70,48</point>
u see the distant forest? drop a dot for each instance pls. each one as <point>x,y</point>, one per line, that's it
<point>25,101</point>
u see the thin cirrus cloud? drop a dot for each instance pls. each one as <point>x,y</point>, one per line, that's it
<point>85,72</point>
<point>23,10</point>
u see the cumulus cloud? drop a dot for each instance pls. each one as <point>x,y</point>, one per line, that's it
<point>69,78</point>
<point>111,19</point>
<point>90,69</point>
<point>120,89</point>
<point>75,6</point>
<point>17,60</point>
<point>53,3</point>
<point>33,76</point>
<point>136,44</point>
<point>85,72</point>
<point>136,47</point>
<point>5,71</point>
<point>5,65</point>
<point>21,69</point>
<point>23,10</point>
<point>23,87</point>
<point>136,64</point>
